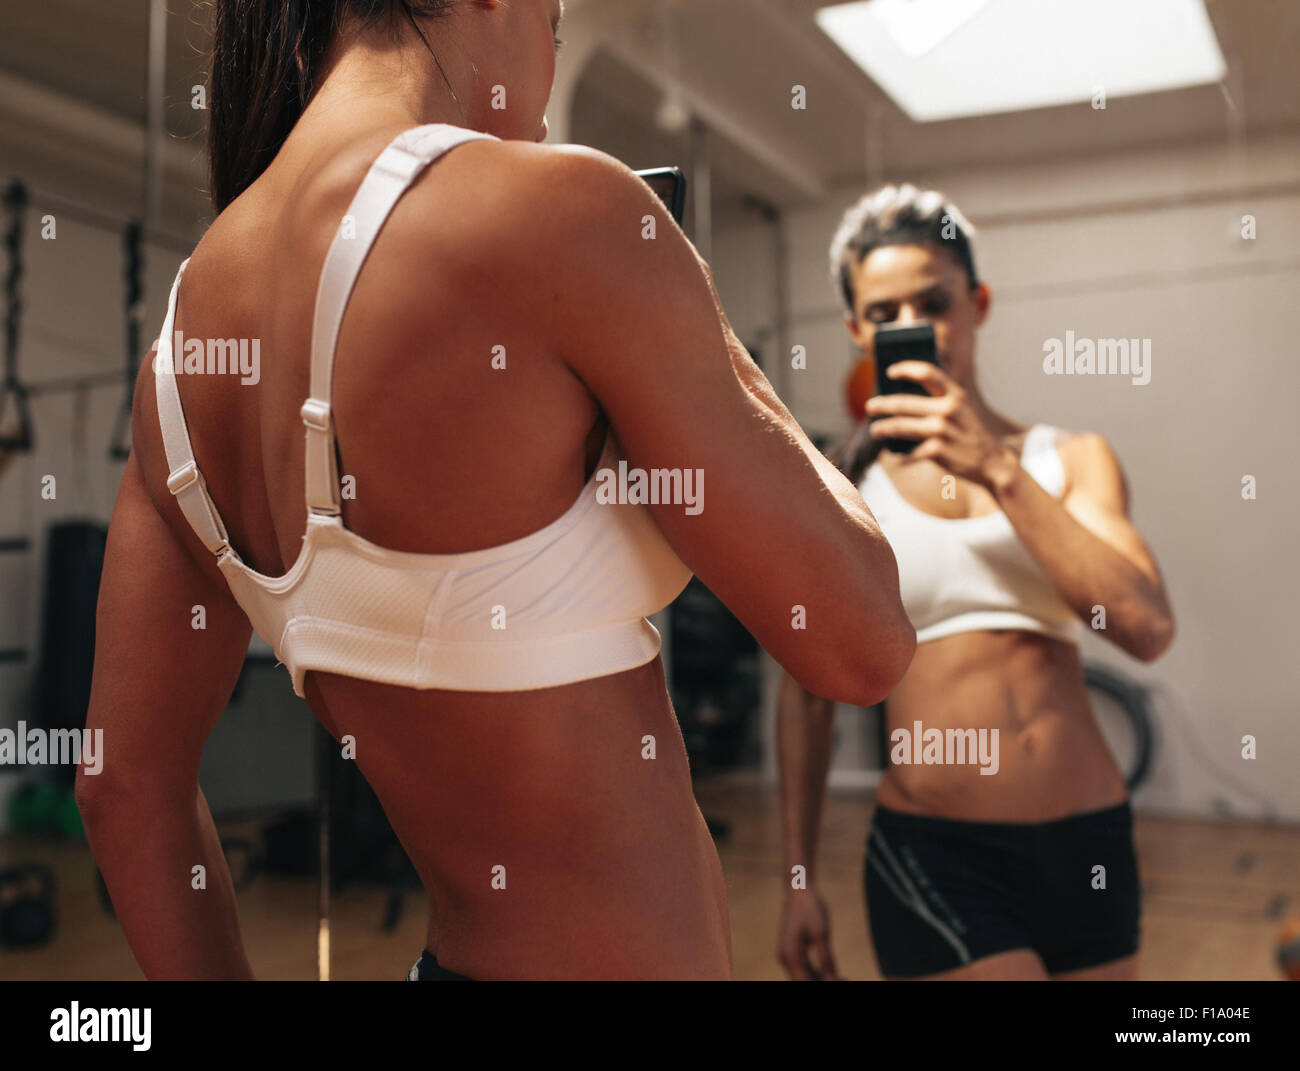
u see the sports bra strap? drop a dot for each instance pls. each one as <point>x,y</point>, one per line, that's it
<point>184,480</point>
<point>388,178</point>
<point>1040,459</point>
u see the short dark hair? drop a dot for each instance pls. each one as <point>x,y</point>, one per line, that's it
<point>899,215</point>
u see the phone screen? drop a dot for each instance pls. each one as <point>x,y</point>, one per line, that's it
<point>894,343</point>
<point>669,183</point>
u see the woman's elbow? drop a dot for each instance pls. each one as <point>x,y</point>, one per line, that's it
<point>102,798</point>
<point>1154,640</point>
<point>872,668</point>
<point>891,659</point>
<point>88,793</point>
<point>98,800</point>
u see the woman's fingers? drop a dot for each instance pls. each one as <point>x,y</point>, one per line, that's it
<point>904,405</point>
<point>824,960</point>
<point>907,427</point>
<point>931,377</point>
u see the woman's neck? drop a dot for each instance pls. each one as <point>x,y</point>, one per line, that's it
<point>988,416</point>
<point>398,81</point>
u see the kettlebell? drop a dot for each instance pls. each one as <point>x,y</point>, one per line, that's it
<point>26,905</point>
<point>32,808</point>
<point>44,810</point>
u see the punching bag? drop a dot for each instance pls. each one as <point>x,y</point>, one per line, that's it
<point>74,562</point>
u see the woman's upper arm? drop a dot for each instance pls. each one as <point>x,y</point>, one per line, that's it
<point>782,538</point>
<point>1098,498</point>
<point>160,681</point>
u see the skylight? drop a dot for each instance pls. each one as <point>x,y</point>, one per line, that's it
<point>945,59</point>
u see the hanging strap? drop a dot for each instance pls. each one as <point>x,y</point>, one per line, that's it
<point>15,202</point>
<point>184,479</point>
<point>389,177</point>
<point>132,270</point>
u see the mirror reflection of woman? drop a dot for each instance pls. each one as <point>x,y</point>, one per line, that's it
<point>1011,538</point>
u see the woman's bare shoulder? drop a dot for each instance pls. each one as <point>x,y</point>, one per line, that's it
<point>1089,460</point>
<point>528,193</point>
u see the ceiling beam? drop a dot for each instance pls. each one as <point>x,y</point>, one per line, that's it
<point>98,149</point>
<point>831,62</point>
<point>769,148</point>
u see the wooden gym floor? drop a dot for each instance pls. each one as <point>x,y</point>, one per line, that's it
<point>1215,896</point>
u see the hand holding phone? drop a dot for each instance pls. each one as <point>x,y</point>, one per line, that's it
<point>894,343</point>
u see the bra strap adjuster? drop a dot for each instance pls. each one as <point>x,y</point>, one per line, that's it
<point>316,414</point>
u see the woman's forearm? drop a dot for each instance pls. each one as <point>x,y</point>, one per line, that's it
<point>1086,570</point>
<point>804,724</point>
<point>171,888</point>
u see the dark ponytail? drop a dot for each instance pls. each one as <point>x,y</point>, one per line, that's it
<point>266,58</point>
<point>856,452</point>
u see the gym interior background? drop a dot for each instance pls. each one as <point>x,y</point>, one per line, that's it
<point>1123,220</point>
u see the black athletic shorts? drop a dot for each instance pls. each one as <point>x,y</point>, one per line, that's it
<point>426,969</point>
<point>944,892</point>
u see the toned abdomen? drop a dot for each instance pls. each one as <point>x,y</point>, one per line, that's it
<point>1050,758</point>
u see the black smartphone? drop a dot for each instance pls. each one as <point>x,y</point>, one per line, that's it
<point>670,185</point>
<point>894,343</point>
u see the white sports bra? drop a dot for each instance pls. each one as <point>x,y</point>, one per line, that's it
<point>566,603</point>
<point>974,573</point>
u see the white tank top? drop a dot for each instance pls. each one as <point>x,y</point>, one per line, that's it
<point>565,603</point>
<point>973,574</point>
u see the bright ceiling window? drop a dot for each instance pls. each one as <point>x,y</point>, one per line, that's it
<point>946,59</point>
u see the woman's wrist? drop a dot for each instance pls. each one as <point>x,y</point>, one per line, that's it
<point>1001,470</point>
